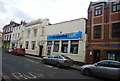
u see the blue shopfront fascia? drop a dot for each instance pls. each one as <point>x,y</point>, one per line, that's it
<point>74,35</point>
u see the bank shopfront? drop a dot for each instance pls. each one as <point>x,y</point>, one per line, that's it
<point>69,44</point>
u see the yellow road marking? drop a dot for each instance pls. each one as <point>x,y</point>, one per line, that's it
<point>18,75</point>
<point>28,75</point>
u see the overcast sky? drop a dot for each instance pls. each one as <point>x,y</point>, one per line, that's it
<point>29,10</point>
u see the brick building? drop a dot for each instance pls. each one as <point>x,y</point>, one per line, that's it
<point>103,29</point>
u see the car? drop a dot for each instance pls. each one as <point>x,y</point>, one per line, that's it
<point>105,68</point>
<point>19,51</point>
<point>58,60</point>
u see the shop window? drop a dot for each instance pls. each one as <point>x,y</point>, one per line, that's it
<point>27,43</point>
<point>56,46</point>
<point>98,10</point>
<point>74,46</point>
<point>111,56</point>
<point>116,6</point>
<point>49,45</point>
<point>64,47</point>
<point>97,31</point>
<point>116,30</point>
<point>33,45</point>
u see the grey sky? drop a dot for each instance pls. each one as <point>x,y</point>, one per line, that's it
<point>55,10</point>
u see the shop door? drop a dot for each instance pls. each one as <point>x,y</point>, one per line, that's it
<point>96,56</point>
<point>40,50</point>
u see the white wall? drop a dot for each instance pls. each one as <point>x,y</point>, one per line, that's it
<point>70,27</point>
<point>36,24</point>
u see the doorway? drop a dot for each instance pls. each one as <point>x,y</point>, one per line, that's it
<point>96,56</point>
<point>20,46</point>
<point>40,50</point>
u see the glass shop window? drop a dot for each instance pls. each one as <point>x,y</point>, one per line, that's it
<point>74,47</point>
<point>56,46</point>
<point>64,48</point>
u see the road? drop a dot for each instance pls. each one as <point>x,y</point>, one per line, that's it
<point>24,68</point>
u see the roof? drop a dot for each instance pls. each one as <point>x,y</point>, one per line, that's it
<point>68,21</point>
<point>96,3</point>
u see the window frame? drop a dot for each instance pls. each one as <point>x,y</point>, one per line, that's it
<point>43,31</point>
<point>74,45</point>
<point>115,5</point>
<point>98,11</point>
<point>28,33</point>
<point>35,32</point>
<point>97,34</point>
<point>114,33</point>
<point>33,45</point>
<point>56,45</point>
<point>27,44</point>
<point>63,45</point>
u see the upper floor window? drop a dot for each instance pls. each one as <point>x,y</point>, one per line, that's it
<point>115,6</point>
<point>43,31</point>
<point>98,10</point>
<point>35,32</point>
<point>28,33</point>
<point>13,36</point>
<point>4,37</point>
<point>116,30</point>
<point>97,31</point>
<point>18,35</point>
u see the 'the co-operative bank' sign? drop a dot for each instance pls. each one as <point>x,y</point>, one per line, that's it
<point>74,35</point>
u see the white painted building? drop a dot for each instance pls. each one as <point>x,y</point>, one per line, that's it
<point>33,36</point>
<point>15,36</point>
<point>67,38</point>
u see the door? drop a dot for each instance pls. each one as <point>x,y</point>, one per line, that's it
<point>40,50</point>
<point>96,56</point>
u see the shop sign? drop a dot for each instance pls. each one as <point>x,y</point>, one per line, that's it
<point>74,35</point>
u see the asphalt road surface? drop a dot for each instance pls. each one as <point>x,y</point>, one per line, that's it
<point>24,68</point>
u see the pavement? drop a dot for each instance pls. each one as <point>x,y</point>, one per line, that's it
<point>75,66</point>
